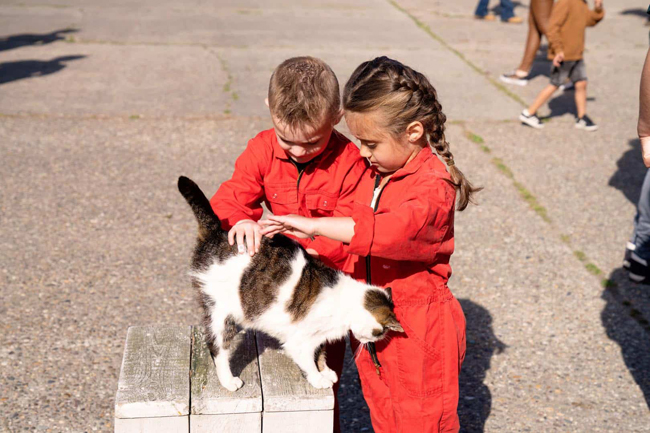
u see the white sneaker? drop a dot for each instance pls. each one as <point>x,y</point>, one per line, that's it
<point>530,120</point>
<point>513,78</point>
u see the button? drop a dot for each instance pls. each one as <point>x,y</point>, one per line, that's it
<point>275,196</point>
<point>386,266</point>
<point>325,203</point>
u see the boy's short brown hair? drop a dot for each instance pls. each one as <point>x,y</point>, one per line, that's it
<point>304,91</point>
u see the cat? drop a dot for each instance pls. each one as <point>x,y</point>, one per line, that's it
<point>281,291</point>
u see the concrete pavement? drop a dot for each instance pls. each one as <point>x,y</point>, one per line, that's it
<point>97,122</point>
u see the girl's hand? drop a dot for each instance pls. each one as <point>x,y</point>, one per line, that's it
<point>295,225</point>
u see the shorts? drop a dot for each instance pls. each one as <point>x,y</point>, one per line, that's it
<point>573,69</point>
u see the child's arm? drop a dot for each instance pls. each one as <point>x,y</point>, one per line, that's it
<point>597,14</point>
<point>559,15</point>
<point>238,202</point>
<point>414,231</point>
<point>328,247</point>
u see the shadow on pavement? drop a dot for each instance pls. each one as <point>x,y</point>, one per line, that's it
<point>17,41</point>
<point>565,103</point>
<point>624,323</point>
<point>355,415</point>
<point>639,12</point>
<point>630,172</point>
<point>13,71</point>
<point>475,401</point>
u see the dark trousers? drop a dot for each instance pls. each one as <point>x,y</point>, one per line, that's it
<point>507,9</point>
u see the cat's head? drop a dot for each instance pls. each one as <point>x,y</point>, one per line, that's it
<point>378,317</point>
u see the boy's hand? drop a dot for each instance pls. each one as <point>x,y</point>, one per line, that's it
<point>250,230</point>
<point>298,226</point>
<point>558,59</point>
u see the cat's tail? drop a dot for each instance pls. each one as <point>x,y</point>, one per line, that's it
<point>208,221</point>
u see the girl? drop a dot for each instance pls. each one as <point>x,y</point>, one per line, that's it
<point>401,235</point>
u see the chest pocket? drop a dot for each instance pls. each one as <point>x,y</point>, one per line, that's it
<point>320,204</point>
<point>282,199</point>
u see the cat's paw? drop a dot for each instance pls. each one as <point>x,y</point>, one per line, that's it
<point>317,380</point>
<point>330,374</point>
<point>233,384</point>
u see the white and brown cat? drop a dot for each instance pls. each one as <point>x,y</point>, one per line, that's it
<point>281,291</point>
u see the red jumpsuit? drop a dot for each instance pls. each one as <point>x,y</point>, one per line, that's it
<point>325,188</point>
<point>406,244</point>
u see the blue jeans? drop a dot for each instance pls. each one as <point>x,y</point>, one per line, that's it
<point>641,235</point>
<point>507,9</point>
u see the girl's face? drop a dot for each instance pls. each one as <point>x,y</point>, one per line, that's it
<point>385,152</point>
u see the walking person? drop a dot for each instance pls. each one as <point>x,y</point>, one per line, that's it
<point>507,12</point>
<point>566,36</point>
<point>637,253</point>
<point>538,18</point>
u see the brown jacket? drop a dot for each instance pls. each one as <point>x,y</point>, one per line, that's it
<point>566,29</point>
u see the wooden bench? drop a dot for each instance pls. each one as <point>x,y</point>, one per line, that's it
<point>168,383</point>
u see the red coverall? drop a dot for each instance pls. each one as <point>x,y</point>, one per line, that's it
<point>405,244</point>
<point>325,188</point>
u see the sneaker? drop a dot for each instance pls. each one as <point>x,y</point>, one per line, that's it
<point>627,259</point>
<point>488,17</point>
<point>637,267</point>
<point>513,78</point>
<point>514,20</point>
<point>586,123</point>
<point>530,120</point>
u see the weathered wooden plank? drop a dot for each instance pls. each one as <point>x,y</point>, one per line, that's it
<point>316,421</point>
<point>175,424</point>
<point>208,396</point>
<point>154,379</point>
<point>232,423</point>
<point>283,385</point>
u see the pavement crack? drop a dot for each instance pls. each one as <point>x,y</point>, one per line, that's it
<point>460,55</point>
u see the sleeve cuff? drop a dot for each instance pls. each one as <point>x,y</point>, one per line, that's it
<point>364,230</point>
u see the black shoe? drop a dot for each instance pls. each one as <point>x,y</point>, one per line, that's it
<point>586,123</point>
<point>638,269</point>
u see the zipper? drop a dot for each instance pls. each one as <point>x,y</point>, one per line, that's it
<point>371,346</point>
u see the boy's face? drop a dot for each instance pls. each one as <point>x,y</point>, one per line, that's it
<point>303,144</point>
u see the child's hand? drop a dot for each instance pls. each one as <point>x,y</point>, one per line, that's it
<point>598,4</point>
<point>250,230</point>
<point>558,59</point>
<point>295,225</point>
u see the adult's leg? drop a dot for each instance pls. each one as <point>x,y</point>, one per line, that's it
<point>507,10</point>
<point>538,17</point>
<point>641,237</point>
<point>482,8</point>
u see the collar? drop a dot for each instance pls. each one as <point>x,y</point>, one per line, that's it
<point>279,152</point>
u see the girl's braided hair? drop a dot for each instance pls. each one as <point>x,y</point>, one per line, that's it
<point>405,96</point>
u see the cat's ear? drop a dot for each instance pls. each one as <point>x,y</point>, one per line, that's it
<point>390,293</point>
<point>393,324</point>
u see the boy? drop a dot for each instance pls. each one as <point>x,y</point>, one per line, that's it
<point>302,166</point>
<point>566,37</point>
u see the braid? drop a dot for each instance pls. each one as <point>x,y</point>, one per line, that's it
<point>407,96</point>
